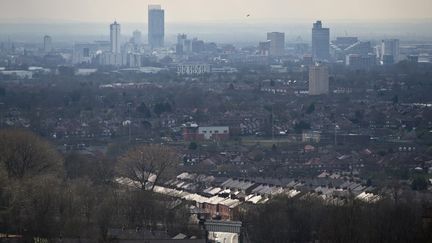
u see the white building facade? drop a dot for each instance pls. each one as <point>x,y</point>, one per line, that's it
<point>115,35</point>
<point>193,69</point>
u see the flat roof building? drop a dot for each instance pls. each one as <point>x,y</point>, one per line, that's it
<point>318,80</point>
<point>277,43</point>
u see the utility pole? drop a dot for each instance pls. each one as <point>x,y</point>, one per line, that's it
<point>272,124</point>
<point>335,134</point>
<point>1,114</point>
<point>130,120</point>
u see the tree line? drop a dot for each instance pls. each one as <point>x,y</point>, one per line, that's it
<point>310,220</point>
<point>49,195</point>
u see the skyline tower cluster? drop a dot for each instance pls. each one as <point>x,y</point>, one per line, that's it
<point>156,30</point>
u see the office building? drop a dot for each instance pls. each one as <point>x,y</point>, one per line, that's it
<point>277,43</point>
<point>345,41</point>
<point>197,46</point>
<point>389,51</point>
<point>360,48</point>
<point>181,38</point>
<point>307,60</point>
<point>115,37</point>
<point>357,61</point>
<point>110,59</point>
<point>156,26</point>
<point>47,43</point>
<point>137,37</point>
<point>318,80</point>
<point>320,42</point>
<point>264,48</point>
<point>413,58</point>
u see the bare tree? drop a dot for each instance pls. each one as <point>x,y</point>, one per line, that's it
<point>23,153</point>
<point>147,164</point>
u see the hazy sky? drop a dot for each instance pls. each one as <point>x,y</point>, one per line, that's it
<point>214,10</point>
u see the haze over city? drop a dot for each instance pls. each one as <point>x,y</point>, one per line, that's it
<point>215,11</point>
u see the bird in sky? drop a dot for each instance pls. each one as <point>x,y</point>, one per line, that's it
<point>247,15</point>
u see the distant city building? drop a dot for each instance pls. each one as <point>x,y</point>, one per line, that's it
<point>193,69</point>
<point>318,80</point>
<point>186,46</point>
<point>390,47</point>
<point>181,38</point>
<point>300,48</point>
<point>129,47</point>
<point>48,43</point>
<point>387,59</point>
<point>344,46</point>
<point>115,37</point>
<point>197,46</point>
<point>264,48</point>
<point>132,60</point>
<point>224,70</point>
<point>193,132</point>
<point>137,37</point>
<point>86,52</point>
<point>413,58</point>
<point>277,43</point>
<point>345,41</point>
<point>360,48</point>
<point>320,42</point>
<point>357,61</point>
<point>111,59</point>
<point>156,26</point>
<point>307,60</point>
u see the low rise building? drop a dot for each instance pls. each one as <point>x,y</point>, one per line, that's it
<point>193,132</point>
<point>193,69</point>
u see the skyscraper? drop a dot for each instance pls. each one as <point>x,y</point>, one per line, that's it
<point>136,37</point>
<point>320,42</point>
<point>115,37</point>
<point>47,43</point>
<point>318,80</point>
<point>390,51</point>
<point>180,47</point>
<point>156,26</point>
<point>277,43</point>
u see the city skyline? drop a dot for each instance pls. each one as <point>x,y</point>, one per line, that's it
<point>215,11</point>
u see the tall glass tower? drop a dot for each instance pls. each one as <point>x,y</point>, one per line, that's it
<point>156,26</point>
<point>320,42</point>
